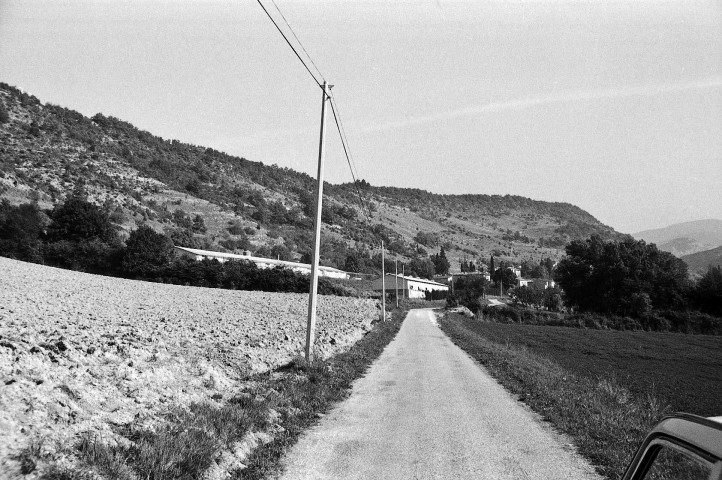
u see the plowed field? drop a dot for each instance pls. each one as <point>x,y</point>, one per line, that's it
<point>87,353</point>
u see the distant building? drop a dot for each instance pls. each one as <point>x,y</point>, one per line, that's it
<point>260,262</point>
<point>537,282</point>
<point>410,287</point>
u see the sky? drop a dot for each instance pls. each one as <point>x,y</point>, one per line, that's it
<point>613,106</point>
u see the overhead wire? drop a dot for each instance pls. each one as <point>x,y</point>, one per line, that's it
<point>334,105</point>
<point>354,168</point>
<point>346,150</point>
<point>298,40</point>
<point>290,45</point>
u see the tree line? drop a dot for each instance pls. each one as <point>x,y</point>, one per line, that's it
<point>623,284</point>
<point>79,235</point>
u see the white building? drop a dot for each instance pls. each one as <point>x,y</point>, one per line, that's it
<point>260,262</point>
<point>410,287</point>
<point>537,282</point>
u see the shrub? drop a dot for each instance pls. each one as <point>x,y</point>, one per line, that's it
<point>79,220</point>
<point>4,115</point>
<point>146,252</point>
<point>21,228</point>
<point>92,256</point>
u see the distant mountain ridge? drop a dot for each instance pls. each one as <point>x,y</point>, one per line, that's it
<point>699,262</point>
<point>685,238</point>
<point>46,150</point>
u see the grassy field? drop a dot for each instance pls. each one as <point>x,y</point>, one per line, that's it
<point>605,389</point>
<point>682,371</point>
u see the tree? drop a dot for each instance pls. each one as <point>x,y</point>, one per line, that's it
<point>615,276</point>
<point>146,252</point>
<point>429,239</point>
<point>281,252</point>
<point>421,267</point>
<point>199,226</point>
<point>181,218</point>
<point>505,276</point>
<point>553,299</point>
<point>469,290</point>
<point>491,265</point>
<point>441,263</point>
<point>79,220</point>
<point>528,295</point>
<point>21,228</point>
<point>708,291</point>
<point>352,263</point>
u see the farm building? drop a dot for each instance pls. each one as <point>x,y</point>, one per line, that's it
<point>260,262</point>
<point>410,287</point>
<point>537,282</point>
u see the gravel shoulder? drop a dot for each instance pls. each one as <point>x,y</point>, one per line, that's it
<point>85,353</point>
<point>427,410</point>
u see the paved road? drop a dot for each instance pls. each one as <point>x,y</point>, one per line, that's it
<point>427,410</point>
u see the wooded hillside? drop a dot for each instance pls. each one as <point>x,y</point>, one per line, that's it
<point>208,199</point>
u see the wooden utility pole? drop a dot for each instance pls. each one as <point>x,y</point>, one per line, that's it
<point>383,283</point>
<point>396,280</point>
<point>312,293</point>
<point>403,284</point>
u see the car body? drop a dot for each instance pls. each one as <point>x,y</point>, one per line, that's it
<point>698,439</point>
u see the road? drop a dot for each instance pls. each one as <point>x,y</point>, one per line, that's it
<point>427,410</point>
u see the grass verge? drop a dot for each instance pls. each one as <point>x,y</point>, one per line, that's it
<point>191,441</point>
<point>305,391</point>
<point>606,421</point>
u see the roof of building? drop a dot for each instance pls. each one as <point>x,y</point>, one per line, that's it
<point>270,261</point>
<point>417,279</point>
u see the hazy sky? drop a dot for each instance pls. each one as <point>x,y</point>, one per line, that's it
<point>612,106</point>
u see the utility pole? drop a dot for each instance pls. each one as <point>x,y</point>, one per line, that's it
<point>396,280</point>
<point>383,283</point>
<point>312,293</point>
<point>403,284</point>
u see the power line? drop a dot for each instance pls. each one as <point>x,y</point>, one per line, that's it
<point>289,44</point>
<point>298,40</point>
<point>345,137</point>
<point>348,158</point>
<point>334,106</point>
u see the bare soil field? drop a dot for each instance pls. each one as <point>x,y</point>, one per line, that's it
<point>85,353</point>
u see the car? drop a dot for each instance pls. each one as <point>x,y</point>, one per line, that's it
<point>681,446</point>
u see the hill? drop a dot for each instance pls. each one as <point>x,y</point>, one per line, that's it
<point>700,261</point>
<point>685,238</point>
<point>208,199</point>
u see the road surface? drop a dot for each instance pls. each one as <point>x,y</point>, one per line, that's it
<point>427,410</point>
